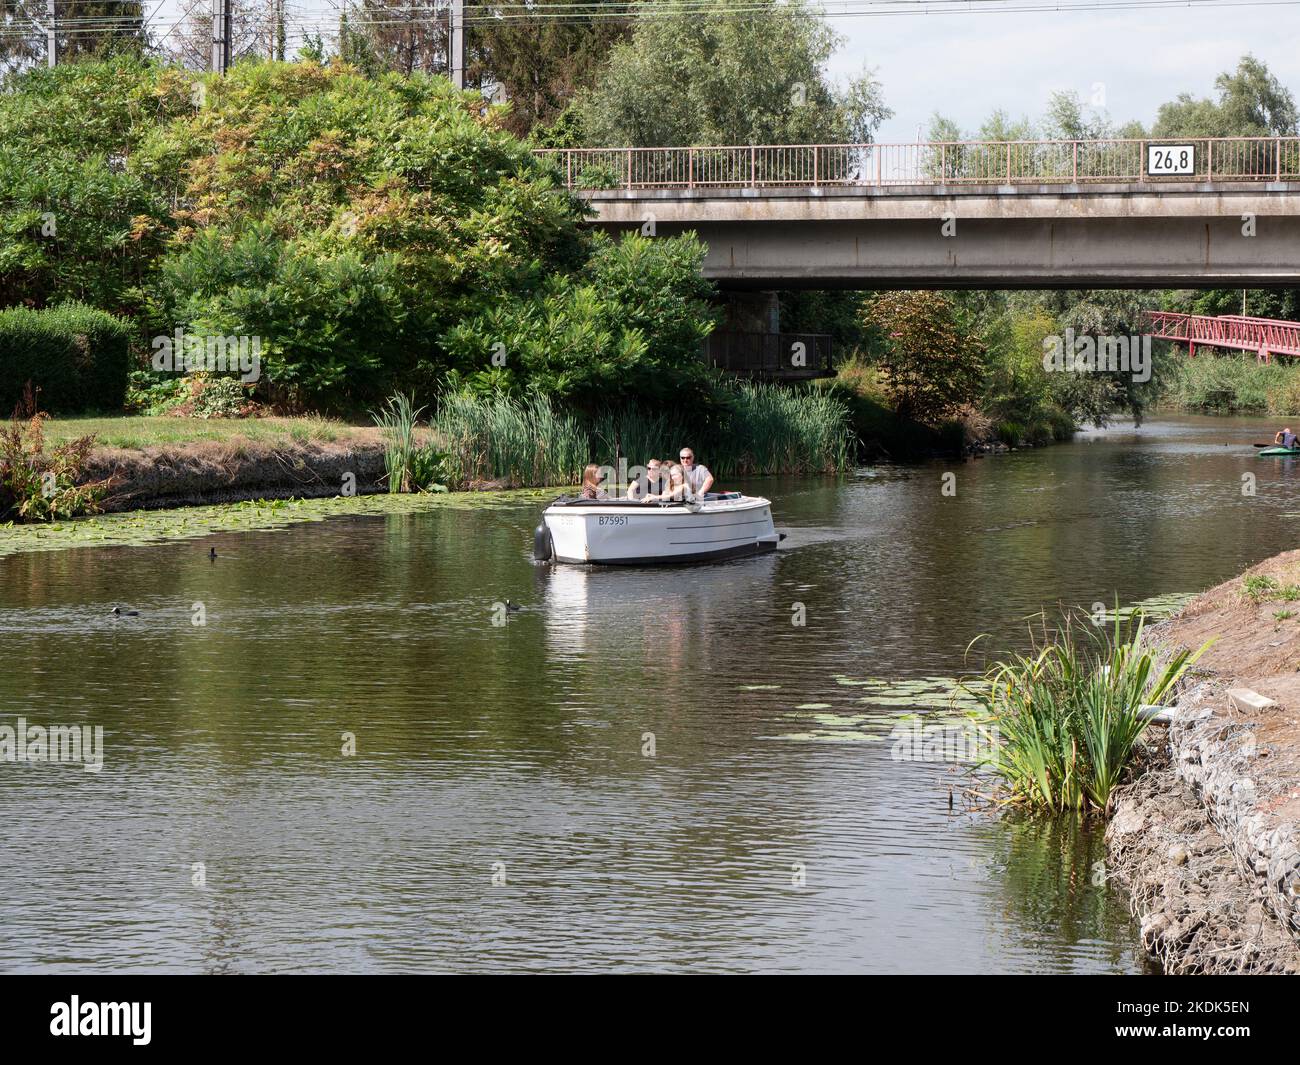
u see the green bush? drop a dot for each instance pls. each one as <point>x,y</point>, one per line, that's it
<point>77,357</point>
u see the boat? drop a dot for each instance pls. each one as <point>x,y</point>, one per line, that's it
<point>1268,452</point>
<point>628,532</point>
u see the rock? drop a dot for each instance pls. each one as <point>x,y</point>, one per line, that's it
<point>1127,820</point>
<point>1178,854</point>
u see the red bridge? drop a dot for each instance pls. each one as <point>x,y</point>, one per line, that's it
<point>1264,336</point>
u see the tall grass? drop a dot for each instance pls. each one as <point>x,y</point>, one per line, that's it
<point>1068,713</point>
<point>756,429</point>
<point>1229,383</point>
<point>514,442</point>
<point>398,419</point>
<point>784,430</point>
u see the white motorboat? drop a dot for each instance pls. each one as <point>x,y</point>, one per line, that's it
<point>631,533</point>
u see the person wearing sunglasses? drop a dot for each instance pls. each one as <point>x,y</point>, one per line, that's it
<point>698,478</point>
<point>654,482</point>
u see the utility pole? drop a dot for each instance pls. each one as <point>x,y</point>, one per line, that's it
<point>456,44</point>
<point>275,42</point>
<point>220,36</point>
<point>51,41</point>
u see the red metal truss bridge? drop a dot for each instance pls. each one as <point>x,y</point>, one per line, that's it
<point>1266,337</point>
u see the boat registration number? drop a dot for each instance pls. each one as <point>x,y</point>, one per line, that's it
<point>613,519</point>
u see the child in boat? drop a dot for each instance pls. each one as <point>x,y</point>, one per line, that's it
<point>592,478</point>
<point>674,492</point>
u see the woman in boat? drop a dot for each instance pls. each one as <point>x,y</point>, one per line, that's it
<point>674,491</point>
<point>592,478</point>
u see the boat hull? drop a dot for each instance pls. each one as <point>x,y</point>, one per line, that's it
<point>621,533</point>
<point>1272,452</point>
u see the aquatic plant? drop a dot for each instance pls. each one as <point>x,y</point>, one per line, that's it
<point>142,528</point>
<point>774,429</point>
<point>756,429</point>
<point>409,464</point>
<point>508,441</point>
<point>40,485</point>
<point>1068,713</point>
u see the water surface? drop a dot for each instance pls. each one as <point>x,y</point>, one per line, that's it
<point>500,812</point>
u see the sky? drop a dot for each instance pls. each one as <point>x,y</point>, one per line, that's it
<point>966,65</point>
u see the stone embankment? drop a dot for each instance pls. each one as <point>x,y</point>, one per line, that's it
<point>1208,837</point>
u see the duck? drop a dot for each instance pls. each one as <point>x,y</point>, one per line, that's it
<point>212,553</point>
<point>118,612</point>
<point>512,607</point>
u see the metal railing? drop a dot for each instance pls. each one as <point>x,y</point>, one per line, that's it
<point>774,355</point>
<point>926,163</point>
<point>1265,336</point>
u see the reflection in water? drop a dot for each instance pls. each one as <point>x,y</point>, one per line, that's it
<point>518,749</point>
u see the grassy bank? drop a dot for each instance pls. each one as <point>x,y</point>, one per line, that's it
<point>1228,384</point>
<point>471,441</point>
<point>137,432</point>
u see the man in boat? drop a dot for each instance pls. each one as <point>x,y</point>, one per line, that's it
<point>1285,438</point>
<point>651,484</point>
<point>698,478</point>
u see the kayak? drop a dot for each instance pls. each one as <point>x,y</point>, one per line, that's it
<point>1270,451</point>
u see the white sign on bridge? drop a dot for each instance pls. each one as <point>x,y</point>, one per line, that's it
<point>1171,160</point>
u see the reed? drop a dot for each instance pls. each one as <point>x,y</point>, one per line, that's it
<point>756,429</point>
<point>1067,714</point>
<point>397,420</point>
<point>1229,383</point>
<point>512,442</point>
<point>770,429</point>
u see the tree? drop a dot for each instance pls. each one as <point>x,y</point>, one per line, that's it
<point>932,363</point>
<point>84,28</point>
<point>1251,103</point>
<point>709,75</point>
<point>541,58</point>
<point>190,43</point>
<point>404,36</point>
<point>76,220</point>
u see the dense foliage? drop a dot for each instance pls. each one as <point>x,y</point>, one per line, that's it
<point>708,74</point>
<point>370,233</point>
<point>73,357</point>
<point>932,363</point>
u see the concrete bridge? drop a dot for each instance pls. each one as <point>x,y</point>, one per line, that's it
<point>1208,212</point>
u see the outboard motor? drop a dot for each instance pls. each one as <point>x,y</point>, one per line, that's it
<point>543,548</point>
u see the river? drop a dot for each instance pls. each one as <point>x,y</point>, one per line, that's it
<point>639,770</point>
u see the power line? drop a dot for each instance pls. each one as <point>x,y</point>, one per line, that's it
<point>585,14</point>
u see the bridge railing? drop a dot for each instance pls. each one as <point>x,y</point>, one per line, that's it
<point>772,355</point>
<point>921,163</point>
<point>1267,336</point>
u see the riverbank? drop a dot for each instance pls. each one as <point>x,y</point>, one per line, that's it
<point>212,471</point>
<point>1207,839</point>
